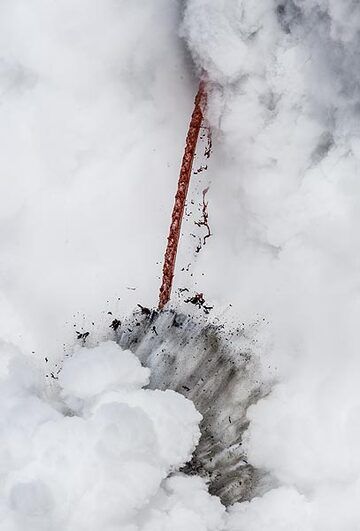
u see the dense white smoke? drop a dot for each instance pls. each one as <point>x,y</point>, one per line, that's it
<point>285,82</point>
<point>96,453</point>
<point>95,98</point>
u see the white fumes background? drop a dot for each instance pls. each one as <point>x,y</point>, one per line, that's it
<point>285,103</point>
<point>95,101</point>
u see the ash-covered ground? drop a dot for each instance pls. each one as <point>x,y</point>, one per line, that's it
<point>217,370</point>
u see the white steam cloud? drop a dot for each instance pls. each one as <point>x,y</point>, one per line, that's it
<point>95,98</point>
<point>94,455</point>
<point>285,82</point>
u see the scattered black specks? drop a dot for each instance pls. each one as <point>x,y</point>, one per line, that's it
<point>199,301</point>
<point>144,310</point>
<point>182,290</point>
<point>115,324</point>
<point>82,335</point>
<point>204,221</point>
<point>208,148</point>
<point>46,359</point>
<point>201,169</point>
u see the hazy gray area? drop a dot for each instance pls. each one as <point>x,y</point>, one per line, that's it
<point>218,371</point>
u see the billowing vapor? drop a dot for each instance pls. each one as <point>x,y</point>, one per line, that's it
<point>95,102</point>
<point>285,92</point>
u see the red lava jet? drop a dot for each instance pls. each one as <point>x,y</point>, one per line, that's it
<point>196,123</point>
